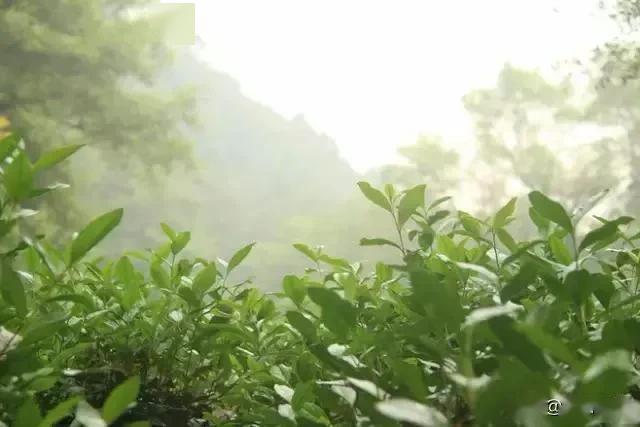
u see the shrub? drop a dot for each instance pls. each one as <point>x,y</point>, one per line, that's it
<point>472,328</point>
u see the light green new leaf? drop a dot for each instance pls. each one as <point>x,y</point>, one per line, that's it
<point>171,234</point>
<point>294,288</point>
<point>551,210</point>
<point>18,177</point>
<point>238,257</point>
<point>59,412</point>
<point>412,200</point>
<point>93,233</point>
<point>374,195</point>
<point>306,250</point>
<point>54,157</point>
<point>180,242</point>
<point>559,250</point>
<point>120,398</point>
<point>501,218</point>
<point>378,242</point>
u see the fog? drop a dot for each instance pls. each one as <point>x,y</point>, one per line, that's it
<point>260,129</point>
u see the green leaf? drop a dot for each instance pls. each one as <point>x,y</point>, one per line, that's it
<point>549,343</point>
<point>306,250</point>
<point>579,285</point>
<point>170,233</point>
<point>378,242</point>
<point>551,210</point>
<point>406,410</point>
<point>337,314</point>
<point>517,344</point>
<point>603,233</point>
<point>485,313</point>
<point>302,324</point>
<point>54,157</point>
<point>93,233</point>
<point>410,202</point>
<point>59,412</point>
<point>501,218</point>
<point>205,278</point>
<point>160,275</point>
<point>294,288</point>
<point>559,250</point>
<point>7,145</point>
<point>181,240</point>
<point>18,177</point>
<point>12,288</point>
<point>28,414</point>
<point>411,376</point>
<point>374,195</point>
<point>238,257</point>
<point>507,239</point>
<point>120,398</point>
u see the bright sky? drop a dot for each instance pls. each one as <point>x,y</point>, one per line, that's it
<point>374,74</point>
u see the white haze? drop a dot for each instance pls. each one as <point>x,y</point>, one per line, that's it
<point>374,75</point>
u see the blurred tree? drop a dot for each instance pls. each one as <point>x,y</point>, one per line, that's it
<point>81,72</point>
<point>527,130</point>
<point>427,161</point>
<point>616,108</point>
<point>618,60</point>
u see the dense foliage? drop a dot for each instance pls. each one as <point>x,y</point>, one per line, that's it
<point>472,327</point>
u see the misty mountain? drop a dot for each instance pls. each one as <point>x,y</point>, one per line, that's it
<point>252,171</point>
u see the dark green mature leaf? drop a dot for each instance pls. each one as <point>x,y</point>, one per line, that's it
<point>579,285</point>
<point>337,314</point>
<point>551,210</point>
<point>604,232</point>
<point>238,257</point>
<point>120,398</point>
<point>12,288</point>
<point>500,219</point>
<point>374,195</point>
<point>54,157</point>
<point>28,415</point>
<point>440,300</point>
<point>18,177</point>
<point>302,324</point>
<point>205,278</point>
<point>517,344</point>
<point>93,233</point>
<point>410,202</point>
<point>160,275</point>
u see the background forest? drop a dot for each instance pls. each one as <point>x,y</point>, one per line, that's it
<point>175,253</point>
<point>171,139</point>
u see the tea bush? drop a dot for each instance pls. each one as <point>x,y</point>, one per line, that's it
<point>473,327</point>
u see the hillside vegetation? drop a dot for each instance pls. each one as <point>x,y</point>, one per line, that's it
<point>472,326</point>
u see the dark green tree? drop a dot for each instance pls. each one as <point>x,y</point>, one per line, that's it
<point>82,72</point>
